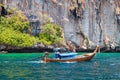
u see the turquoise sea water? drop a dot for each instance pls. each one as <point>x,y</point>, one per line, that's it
<point>104,66</point>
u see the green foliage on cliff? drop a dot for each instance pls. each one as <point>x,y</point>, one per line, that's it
<point>12,30</point>
<point>17,22</point>
<point>51,34</point>
<point>15,38</point>
<point>14,27</point>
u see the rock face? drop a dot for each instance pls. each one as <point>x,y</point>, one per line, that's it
<point>87,23</point>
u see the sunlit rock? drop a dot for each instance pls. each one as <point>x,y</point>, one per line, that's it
<point>54,1</point>
<point>65,19</point>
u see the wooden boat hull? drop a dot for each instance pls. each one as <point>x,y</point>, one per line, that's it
<point>85,57</point>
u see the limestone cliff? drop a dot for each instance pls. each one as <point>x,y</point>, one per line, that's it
<point>87,23</point>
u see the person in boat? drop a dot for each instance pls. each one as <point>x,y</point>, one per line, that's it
<point>59,51</point>
<point>57,56</point>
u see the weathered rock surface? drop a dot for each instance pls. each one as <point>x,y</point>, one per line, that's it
<point>86,23</point>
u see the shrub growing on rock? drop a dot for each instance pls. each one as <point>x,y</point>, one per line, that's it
<point>16,38</point>
<point>51,34</point>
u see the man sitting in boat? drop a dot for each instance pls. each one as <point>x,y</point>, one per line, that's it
<point>57,55</point>
<point>58,51</point>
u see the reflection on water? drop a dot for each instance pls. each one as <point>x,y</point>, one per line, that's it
<point>102,67</point>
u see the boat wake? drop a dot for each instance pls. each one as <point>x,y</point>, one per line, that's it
<point>36,61</point>
<point>22,62</point>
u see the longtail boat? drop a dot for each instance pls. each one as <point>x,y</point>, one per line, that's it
<point>74,58</point>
